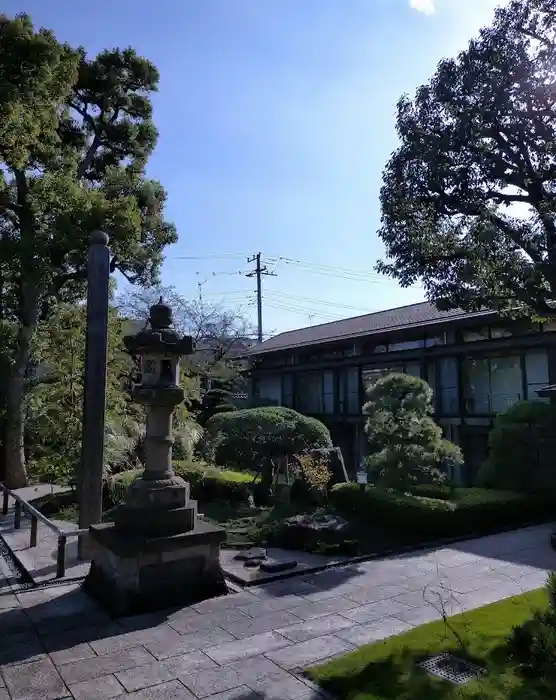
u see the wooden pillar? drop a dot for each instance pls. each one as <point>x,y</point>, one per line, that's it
<point>90,475</point>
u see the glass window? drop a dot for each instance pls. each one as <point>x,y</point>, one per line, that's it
<point>477,386</point>
<point>435,340</point>
<point>431,376</point>
<point>449,393</point>
<point>505,383</point>
<point>407,345</point>
<point>492,384</point>
<point>470,336</point>
<point>413,368</point>
<point>270,388</point>
<point>328,392</point>
<point>287,390</point>
<point>500,332</point>
<point>354,405</point>
<point>309,392</point>
<point>536,368</point>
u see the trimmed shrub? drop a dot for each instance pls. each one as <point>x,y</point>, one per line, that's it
<point>207,483</point>
<point>406,445</point>
<point>253,437</point>
<point>532,645</point>
<point>521,449</point>
<point>419,519</point>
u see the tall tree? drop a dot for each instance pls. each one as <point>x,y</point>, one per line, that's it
<point>54,404</point>
<point>468,201</point>
<point>75,135</point>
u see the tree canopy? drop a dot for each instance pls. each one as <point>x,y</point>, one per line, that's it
<point>54,402</point>
<point>468,200</point>
<point>75,136</point>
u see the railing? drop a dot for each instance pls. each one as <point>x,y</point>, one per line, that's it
<point>21,506</point>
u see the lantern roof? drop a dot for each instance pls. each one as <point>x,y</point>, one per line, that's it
<point>160,337</point>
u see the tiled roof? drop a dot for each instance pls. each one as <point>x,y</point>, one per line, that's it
<point>401,318</point>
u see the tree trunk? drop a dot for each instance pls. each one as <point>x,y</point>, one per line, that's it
<point>16,474</point>
<point>14,453</point>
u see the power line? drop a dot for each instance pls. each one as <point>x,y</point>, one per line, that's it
<point>322,302</point>
<point>219,256</point>
<point>334,271</point>
<point>295,308</point>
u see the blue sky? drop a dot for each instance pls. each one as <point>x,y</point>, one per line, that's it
<point>276,118</point>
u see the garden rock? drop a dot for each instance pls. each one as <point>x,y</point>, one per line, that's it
<point>325,523</point>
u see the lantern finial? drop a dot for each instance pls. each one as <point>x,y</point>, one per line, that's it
<point>160,315</point>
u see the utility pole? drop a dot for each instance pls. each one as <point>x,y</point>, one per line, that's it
<point>258,272</point>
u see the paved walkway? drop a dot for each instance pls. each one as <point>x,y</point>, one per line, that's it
<point>55,643</point>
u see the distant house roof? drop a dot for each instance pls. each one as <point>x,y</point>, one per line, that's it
<point>404,317</point>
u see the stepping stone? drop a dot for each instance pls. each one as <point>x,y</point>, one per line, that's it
<point>272,566</point>
<point>252,563</point>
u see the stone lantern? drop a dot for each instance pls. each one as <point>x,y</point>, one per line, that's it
<point>157,552</point>
<point>159,500</point>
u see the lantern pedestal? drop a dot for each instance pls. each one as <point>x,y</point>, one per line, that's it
<point>132,574</point>
<point>157,553</point>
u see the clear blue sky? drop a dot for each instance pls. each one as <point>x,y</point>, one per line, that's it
<point>276,118</point>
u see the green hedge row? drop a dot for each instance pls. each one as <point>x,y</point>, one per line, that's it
<point>418,518</point>
<point>207,483</point>
<point>211,484</point>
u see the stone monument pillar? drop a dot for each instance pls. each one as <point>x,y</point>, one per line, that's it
<point>157,553</point>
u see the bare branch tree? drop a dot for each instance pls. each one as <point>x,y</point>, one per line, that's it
<point>221,334</point>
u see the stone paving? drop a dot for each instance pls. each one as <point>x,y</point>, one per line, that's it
<point>55,643</point>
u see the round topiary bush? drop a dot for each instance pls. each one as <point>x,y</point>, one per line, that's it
<point>251,438</point>
<point>521,449</point>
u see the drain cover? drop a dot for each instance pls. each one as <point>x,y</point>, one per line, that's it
<point>452,669</point>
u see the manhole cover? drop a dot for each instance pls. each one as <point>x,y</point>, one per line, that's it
<point>452,669</point>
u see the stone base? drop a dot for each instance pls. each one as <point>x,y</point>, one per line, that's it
<point>156,522</point>
<point>132,574</point>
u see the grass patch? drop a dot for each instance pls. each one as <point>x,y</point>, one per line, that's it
<point>388,670</point>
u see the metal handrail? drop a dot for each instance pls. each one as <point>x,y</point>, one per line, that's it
<point>36,516</point>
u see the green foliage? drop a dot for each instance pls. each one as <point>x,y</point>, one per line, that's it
<point>532,645</point>
<point>55,399</point>
<point>389,669</point>
<point>521,449</point>
<point>187,434</point>
<point>254,437</point>
<point>406,444</point>
<point>477,139</point>
<point>415,519</point>
<point>75,136</point>
<point>207,483</point>
<point>214,401</point>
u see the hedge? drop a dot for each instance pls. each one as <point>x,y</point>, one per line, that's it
<point>251,437</point>
<point>207,483</point>
<point>417,518</point>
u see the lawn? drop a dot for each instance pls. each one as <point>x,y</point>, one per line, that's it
<point>388,670</point>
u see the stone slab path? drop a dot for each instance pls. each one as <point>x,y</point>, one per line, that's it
<point>55,643</point>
